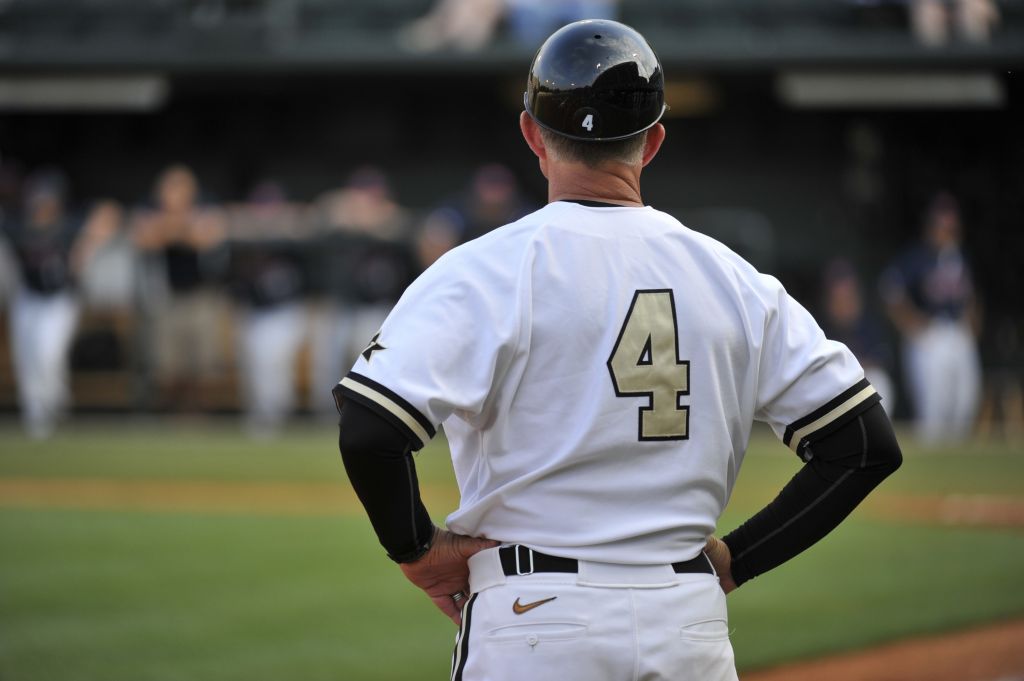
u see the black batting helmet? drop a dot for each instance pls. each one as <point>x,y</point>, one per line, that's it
<point>596,80</point>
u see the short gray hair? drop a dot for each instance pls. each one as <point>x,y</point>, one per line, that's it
<point>593,153</point>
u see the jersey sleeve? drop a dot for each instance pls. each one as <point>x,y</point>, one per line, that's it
<point>440,350</point>
<point>808,386</point>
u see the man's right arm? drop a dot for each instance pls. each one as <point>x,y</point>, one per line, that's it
<point>378,460</point>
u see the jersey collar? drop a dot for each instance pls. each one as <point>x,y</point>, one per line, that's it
<point>592,204</point>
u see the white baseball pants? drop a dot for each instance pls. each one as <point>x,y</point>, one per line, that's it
<point>42,327</point>
<point>340,333</point>
<point>945,377</point>
<point>605,623</point>
<point>270,343</point>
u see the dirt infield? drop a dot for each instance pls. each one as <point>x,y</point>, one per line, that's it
<point>992,653</point>
<point>313,498</point>
<point>982,510</point>
<point>198,496</point>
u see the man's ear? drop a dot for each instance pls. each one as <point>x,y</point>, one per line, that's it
<point>534,140</point>
<point>655,137</point>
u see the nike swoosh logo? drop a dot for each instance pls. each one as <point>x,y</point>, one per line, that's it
<point>519,608</point>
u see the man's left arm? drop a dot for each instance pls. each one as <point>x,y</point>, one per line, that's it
<point>841,469</point>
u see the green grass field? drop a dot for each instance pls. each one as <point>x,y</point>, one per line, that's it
<point>111,591</point>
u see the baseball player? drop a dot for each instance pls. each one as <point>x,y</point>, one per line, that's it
<point>53,244</point>
<point>597,367</point>
<point>930,297</point>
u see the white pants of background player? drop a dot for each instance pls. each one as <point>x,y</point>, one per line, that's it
<point>270,341</point>
<point>606,623</point>
<point>944,373</point>
<point>42,327</point>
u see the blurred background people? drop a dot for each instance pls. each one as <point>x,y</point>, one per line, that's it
<point>935,21</point>
<point>364,256</point>
<point>772,148</point>
<point>182,241</point>
<point>469,25</point>
<point>465,25</point>
<point>846,319</point>
<point>531,21</point>
<point>269,282</point>
<point>51,244</point>
<point>493,198</point>
<point>437,234</point>
<point>930,298</point>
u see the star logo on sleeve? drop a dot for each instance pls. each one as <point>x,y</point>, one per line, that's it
<point>373,347</point>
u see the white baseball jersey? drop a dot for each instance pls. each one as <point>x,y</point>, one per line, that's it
<point>597,370</point>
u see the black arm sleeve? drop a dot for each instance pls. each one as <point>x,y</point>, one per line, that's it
<point>378,460</point>
<point>844,467</point>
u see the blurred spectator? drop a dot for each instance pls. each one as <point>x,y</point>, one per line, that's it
<point>976,19</point>
<point>929,21</point>
<point>469,25</point>
<point>51,244</point>
<point>438,234</point>
<point>465,25</point>
<point>930,298</point>
<point>268,280</point>
<point>932,21</point>
<point>107,281</point>
<point>846,320</point>
<point>183,240</point>
<point>492,199</point>
<point>364,254</point>
<point>531,21</point>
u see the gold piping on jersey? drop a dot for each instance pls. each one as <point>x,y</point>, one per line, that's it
<point>387,403</point>
<point>845,407</point>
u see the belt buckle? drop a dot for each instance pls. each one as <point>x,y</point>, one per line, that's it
<point>529,553</point>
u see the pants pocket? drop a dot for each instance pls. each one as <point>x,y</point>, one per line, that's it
<point>537,633</point>
<point>705,630</point>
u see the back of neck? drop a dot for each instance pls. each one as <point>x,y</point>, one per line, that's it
<point>615,183</point>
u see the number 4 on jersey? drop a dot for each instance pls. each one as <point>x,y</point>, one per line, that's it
<point>645,363</point>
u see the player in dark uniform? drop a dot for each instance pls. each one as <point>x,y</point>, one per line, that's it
<point>363,256</point>
<point>52,244</point>
<point>929,294</point>
<point>268,279</point>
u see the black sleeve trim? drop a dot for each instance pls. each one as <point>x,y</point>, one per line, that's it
<point>831,416</point>
<point>389,404</point>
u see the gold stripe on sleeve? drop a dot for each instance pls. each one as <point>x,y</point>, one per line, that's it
<point>389,404</point>
<point>828,418</point>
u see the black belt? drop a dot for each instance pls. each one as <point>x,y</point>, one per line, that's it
<point>522,560</point>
